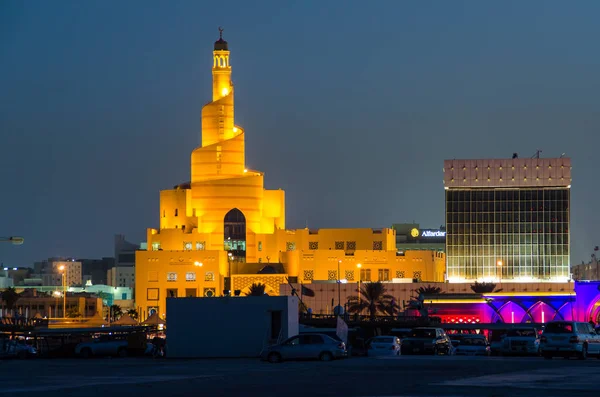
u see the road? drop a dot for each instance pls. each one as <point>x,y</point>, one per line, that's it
<point>360,377</point>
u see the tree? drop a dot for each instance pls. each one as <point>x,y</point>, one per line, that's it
<point>73,313</point>
<point>484,288</point>
<point>115,312</point>
<point>374,299</point>
<point>418,302</point>
<point>133,314</point>
<point>257,289</point>
<point>10,296</point>
<point>429,290</point>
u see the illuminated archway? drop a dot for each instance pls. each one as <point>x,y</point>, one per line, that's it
<point>234,233</point>
<point>512,312</point>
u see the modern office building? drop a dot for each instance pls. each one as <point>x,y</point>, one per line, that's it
<point>508,219</point>
<point>410,237</point>
<point>51,271</point>
<point>223,231</point>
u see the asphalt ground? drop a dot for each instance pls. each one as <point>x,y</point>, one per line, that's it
<point>365,377</point>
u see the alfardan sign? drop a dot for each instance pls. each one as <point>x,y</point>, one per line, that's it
<point>427,234</point>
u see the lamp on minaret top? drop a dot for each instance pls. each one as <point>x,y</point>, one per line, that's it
<point>222,85</point>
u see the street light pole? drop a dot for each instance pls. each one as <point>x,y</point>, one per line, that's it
<point>62,269</point>
<point>229,257</point>
<point>339,288</point>
<point>15,240</point>
<point>359,266</point>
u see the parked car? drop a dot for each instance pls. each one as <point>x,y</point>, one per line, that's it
<point>568,339</point>
<point>103,346</point>
<point>427,341</point>
<point>455,339</point>
<point>496,339</point>
<point>400,332</point>
<point>471,345</point>
<point>16,349</point>
<point>521,341</point>
<point>307,346</point>
<point>383,346</point>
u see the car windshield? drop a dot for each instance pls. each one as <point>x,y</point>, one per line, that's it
<point>383,340</point>
<point>473,341</point>
<point>522,332</point>
<point>422,333</point>
<point>559,328</point>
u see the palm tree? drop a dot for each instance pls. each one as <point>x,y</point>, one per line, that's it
<point>133,314</point>
<point>115,312</point>
<point>10,296</point>
<point>374,299</point>
<point>257,289</point>
<point>429,290</point>
<point>484,287</point>
<point>418,302</point>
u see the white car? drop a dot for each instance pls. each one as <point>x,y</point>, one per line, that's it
<point>521,341</point>
<point>472,345</point>
<point>383,346</point>
<point>569,338</point>
<point>102,347</point>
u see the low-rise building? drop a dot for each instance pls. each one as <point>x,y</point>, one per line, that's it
<point>265,320</point>
<point>32,303</point>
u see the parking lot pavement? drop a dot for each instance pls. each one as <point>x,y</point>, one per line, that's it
<point>361,377</point>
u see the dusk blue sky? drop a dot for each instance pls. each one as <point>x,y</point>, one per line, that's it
<point>349,106</point>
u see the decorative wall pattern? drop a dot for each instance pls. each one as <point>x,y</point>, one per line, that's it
<point>308,275</point>
<point>339,245</point>
<point>377,245</point>
<point>417,275</point>
<point>350,245</point>
<point>272,282</point>
<point>331,275</point>
<point>313,245</point>
<point>350,275</point>
<point>290,246</point>
<point>399,274</point>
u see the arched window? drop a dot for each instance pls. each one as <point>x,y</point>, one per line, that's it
<point>234,233</point>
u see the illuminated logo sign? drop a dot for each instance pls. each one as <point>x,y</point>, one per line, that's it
<point>414,232</point>
<point>433,233</point>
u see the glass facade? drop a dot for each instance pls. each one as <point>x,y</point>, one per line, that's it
<point>508,234</point>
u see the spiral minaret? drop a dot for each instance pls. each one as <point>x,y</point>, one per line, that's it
<point>220,179</point>
<point>222,152</point>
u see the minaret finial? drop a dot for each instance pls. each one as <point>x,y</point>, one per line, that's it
<point>221,33</point>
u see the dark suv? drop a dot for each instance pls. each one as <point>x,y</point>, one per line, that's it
<point>427,341</point>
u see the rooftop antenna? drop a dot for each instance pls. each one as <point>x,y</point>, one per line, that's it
<point>221,33</point>
<point>537,154</point>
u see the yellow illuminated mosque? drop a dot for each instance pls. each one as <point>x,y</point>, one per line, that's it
<point>223,231</point>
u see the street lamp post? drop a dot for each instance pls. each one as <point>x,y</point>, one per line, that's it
<point>229,258</point>
<point>359,266</point>
<point>15,240</point>
<point>339,288</point>
<point>62,269</point>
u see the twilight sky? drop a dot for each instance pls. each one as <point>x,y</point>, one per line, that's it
<point>349,106</point>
